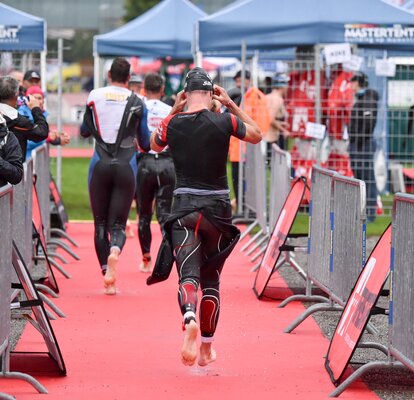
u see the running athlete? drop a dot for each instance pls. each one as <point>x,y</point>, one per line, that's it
<point>115,117</point>
<point>156,175</point>
<point>199,232</point>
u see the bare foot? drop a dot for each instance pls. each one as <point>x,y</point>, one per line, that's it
<point>110,275</point>
<point>146,265</point>
<point>189,349</point>
<point>207,354</point>
<point>110,289</point>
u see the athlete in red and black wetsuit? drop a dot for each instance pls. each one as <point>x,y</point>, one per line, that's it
<point>200,231</point>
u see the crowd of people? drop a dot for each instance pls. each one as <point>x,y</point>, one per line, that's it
<point>23,120</point>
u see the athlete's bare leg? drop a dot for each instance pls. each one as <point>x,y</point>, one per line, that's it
<point>189,349</point>
<point>207,354</point>
<point>110,275</point>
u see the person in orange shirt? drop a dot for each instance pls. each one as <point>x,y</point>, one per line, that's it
<point>255,105</point>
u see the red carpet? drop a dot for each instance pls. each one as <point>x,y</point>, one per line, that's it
<point>128,346</point>
<point>70,152</point>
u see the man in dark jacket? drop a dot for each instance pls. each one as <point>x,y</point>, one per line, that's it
<point>22,127</point>
<point>362,145</point>
<point>11,167</point>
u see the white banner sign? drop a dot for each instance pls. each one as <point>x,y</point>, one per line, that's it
<point>337,53</point>
<point>385,67</point>
<point>316,131</point>
<point>354,64</point>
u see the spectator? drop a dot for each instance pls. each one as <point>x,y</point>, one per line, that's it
<point>54,137</point>
<point>22,127</point>
<point>362,145</point>
<point>278,130</point>
<point>11,166</point>
<point>31,78</point>
<point>135,84</point>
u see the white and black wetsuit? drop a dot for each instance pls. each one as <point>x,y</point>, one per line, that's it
<point>155,179</point>
<point>116,118</point>
<point>200,232</point>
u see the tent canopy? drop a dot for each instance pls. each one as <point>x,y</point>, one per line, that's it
<point>20,31</point>
<point>167,29</point>
<point>264,25</point>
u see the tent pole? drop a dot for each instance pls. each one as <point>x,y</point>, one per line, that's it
<point>59,115</point>
<point>43,70</point>
<point>198,59</point>
<point>197,54</point>
<point>318,113</point>
<point>96,71</point>
<point>255,69</point>
<point>241,156</point>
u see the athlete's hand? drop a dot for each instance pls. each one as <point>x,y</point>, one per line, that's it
<point>180,103</point>
<point>221,95</point>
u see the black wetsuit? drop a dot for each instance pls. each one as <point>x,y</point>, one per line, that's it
<point>112,174</point>
<point>155,181</point>
<point>199,230</point>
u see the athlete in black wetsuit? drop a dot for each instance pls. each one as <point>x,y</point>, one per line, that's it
<point>115,117</point>
<point>200,231</point>
<point>156,176</point>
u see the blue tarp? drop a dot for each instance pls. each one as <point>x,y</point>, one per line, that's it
<point>267,24</point>
<point>167,29</point>
<point>20,31</point>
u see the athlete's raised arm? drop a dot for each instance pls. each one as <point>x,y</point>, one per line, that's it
<point>253,133</point>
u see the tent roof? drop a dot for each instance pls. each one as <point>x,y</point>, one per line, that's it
<point>167,29</point>
<point>20,31</point>
<point>264,24</point>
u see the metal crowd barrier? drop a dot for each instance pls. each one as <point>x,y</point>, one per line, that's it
<point>255,195</point>
<point>6,193</point>
<point>277,191</point>
<point>348,236</point>
<point>22,213</point>
<point>280,182</point>
<point>319,239</point>
<point>400,347</point>
<point>42,172</point>
<point>337,240</point>
<point>401,298</point>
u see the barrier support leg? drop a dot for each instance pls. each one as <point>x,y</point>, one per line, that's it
<point>60,233</point>
<point>5,396</point>
<point>252,240</point>
<point>55,264</point>
<point>63,246</point>
<point>359,372</point>
<point>303,297</point>
<point>257,244</point>
<point>6,373</point>
<point>46,289</point>
<point>310,311</point>
<point>52,305</point>
<point>58,256</point>
<point>249,229</point>
<point>259,253</point>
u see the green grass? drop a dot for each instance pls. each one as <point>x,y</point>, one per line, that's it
<point>75,187</point>
<point>76,198</point>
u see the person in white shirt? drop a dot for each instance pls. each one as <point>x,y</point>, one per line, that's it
<point>117,119</point>
<point>156,174</point>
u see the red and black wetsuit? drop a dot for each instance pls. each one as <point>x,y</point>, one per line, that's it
<point>200,231</point>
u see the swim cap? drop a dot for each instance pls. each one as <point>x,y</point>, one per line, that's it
<point>198,79</point>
